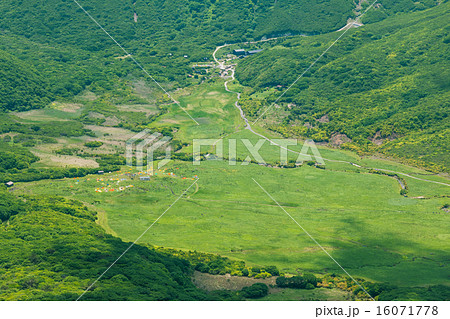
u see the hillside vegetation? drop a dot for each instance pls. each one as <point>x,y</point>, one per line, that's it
<point>21,86</point>
<point>55,251</point>
<point>70,52</point>
<point>385,86</point>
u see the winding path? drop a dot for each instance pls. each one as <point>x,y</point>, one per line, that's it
<point>222,66</point>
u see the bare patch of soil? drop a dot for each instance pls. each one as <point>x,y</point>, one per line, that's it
<point>339,139</point>
<point>64,160</point>
<point>148,109</point>
<point>376,139</point>
<point>111,121</point>
<point>67,107</point>
<point>324,119</point>
<point>210,282</point>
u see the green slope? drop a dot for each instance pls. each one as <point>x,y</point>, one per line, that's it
<point>71,52</point>
<point>388,81</point>
<point>54,251</point>
<point>21,86</point>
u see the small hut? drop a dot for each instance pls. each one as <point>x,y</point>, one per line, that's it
<point>9,184</point>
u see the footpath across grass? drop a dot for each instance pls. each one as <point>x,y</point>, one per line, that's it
<point>359,218</point>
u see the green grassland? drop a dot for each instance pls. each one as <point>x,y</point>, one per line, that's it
<point>360,218</point>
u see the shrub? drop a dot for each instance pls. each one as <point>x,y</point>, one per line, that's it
<point>311,279</point>
<point>255,271</point>
<point>297,282</point>
<point>309,286</point>
<point>273,270</point>
<point>257,290</point>
<point>9,206</point>
<point>93,144</point>
<point>281,282</point>
<point>263,275</point>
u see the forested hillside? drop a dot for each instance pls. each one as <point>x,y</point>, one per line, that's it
<point>21,86</point>
<point>70,52</point>
<point>385,86</point>
<point>55,251</point>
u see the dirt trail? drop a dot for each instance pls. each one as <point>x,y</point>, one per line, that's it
<point>232,67</point>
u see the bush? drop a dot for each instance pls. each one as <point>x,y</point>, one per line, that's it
<point>297,282</point>
<point>9,206</point>
<point>93,144</point>
<point>309,286</point>
<point>273,270</point>
<point>263,275</point>
<point>257,290</point>
<point>281,282</point>
<point>310,279</point>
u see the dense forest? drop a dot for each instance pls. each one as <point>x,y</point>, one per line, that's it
<point>63,51</point>
<point>21,86</point>
<point>55,251</point>
<point>385,86</point>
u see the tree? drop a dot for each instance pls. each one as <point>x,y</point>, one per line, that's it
<point>9,206</point>
<point>257,290</point>
<point>282,282</point>
<point>310,279</point>
<point>273,270</point>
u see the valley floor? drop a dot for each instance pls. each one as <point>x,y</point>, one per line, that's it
<point>359,217</point>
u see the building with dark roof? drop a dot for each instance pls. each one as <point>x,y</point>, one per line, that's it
<point>253,52</point>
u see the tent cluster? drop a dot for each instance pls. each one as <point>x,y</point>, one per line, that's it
<point>109,187</point>
<point>119,189</point>
<point>112,183</point>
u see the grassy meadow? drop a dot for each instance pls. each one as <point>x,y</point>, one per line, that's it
<point>359,218</point>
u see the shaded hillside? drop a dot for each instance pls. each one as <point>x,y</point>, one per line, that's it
<point>386,83</point>
<point>55,251</point>
<point>21,86</point>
